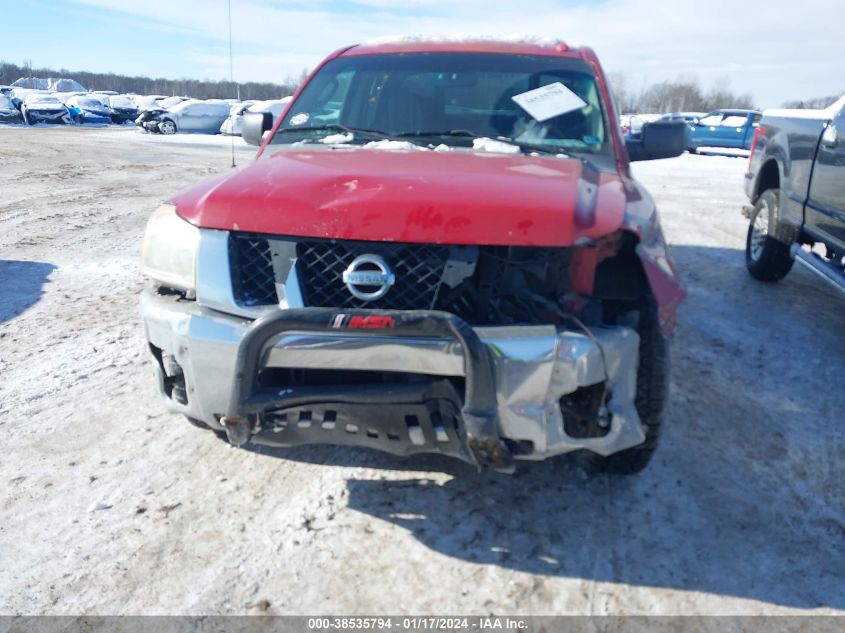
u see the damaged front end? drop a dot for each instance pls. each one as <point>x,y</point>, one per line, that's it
<point>148,120</point>
<point>485,353</point>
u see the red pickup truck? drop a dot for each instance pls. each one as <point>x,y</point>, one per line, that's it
<point>438,248</point>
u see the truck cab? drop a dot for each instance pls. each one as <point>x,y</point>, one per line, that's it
<point>796,185</point>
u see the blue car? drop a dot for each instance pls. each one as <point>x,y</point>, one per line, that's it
<point>724,128</point>
<point>84,109</point>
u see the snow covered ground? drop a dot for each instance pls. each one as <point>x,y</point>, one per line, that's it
<point>111,505</point>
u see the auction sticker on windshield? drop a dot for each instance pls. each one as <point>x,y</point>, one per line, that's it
<point>549,101</point>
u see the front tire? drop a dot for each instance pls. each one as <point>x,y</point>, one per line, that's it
<point>167,127</point>
<point>652,394</point>
<point>767,245</point>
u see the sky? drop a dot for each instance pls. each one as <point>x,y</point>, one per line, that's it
<point>775,50</point>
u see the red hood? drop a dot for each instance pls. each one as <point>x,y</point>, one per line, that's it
<point>412,196</point>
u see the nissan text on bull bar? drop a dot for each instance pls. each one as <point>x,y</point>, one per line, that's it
<point>439,248</point>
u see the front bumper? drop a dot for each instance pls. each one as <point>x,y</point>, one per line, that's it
<point>48,116</point>
<point>514,378</point>
<point>124,115</point>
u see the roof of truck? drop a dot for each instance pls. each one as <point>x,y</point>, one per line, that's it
<point>526,46</point>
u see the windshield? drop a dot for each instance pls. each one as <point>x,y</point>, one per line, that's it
<point>90,103</point>
<point>121,102</point>
<point>171,101</point>
<point>451,98</point>
<point>40,99</point>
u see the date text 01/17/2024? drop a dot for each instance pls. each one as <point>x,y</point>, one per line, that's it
<point>431,623</point>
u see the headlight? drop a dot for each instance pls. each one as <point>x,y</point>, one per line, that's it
<point>169,252</point>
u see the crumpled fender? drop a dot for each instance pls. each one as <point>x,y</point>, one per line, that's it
<point>663,278</point>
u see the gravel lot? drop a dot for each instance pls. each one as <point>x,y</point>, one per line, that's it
<point>110,505</point>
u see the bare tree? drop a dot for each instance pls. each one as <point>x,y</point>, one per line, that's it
<point>625,99</point>
<point>817,103</point>
<point>683,94</point>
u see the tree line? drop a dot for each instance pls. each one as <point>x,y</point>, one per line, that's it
<point>819,103</point>
<point>684,94</point>
<point>197,88</point>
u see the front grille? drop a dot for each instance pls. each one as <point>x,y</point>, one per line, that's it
<point>418,269</point>
<point>487,285</point>
<point>253,280</point>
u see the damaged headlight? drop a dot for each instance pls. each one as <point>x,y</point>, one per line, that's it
<point>169,252</point>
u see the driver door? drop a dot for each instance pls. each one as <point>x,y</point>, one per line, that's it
<point>825,211</point>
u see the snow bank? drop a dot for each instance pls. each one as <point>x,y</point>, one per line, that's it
<point>53,84</point>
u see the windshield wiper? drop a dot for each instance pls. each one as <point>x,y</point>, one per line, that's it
<point>379,134</point>
<point>525,147</point>
<point>337,127</point>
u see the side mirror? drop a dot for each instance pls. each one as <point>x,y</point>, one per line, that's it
<point>659,139</point>
<point>254,126</point>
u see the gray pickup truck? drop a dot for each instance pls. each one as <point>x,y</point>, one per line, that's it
<point>796,184</point>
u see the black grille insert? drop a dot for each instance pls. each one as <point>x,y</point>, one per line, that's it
<point>483,285</point>
<point>418,269</point>
<point>253,280</point>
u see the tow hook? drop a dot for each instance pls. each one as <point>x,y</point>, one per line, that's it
<point>237,430</point>
<point>492,453</point>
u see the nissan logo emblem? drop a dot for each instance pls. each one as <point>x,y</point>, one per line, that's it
<point>368,277</point>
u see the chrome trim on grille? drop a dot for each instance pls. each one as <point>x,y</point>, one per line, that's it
<point>214,276</point>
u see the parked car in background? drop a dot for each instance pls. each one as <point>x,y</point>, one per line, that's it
<point>236,111</point>
<point>169,102</point>
<point>8,112</point>
<point>6,90</point>
<point>19,95</point>
<point>44,108</point>
<point>122,109</point>
<point>103,96</point>
<point>796,184</point>
<point>145,102</point>
<point>689,117</point>
<point>87,109</point>
<point>233,125</point>
<point>724,128</point>
<point>64,96</point>
<point>194,116</point>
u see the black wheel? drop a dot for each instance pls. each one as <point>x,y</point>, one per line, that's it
<point>767,245</point>
<point>652,393</point>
